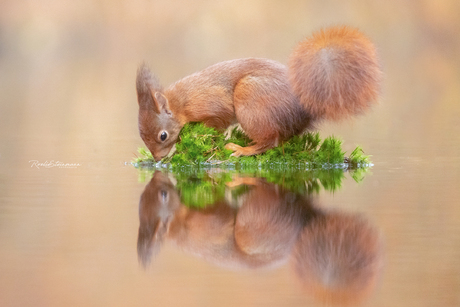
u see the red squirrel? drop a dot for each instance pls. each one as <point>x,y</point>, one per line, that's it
<point>333,74</point>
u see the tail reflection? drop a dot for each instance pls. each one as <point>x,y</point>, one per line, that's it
<point>336,256</point>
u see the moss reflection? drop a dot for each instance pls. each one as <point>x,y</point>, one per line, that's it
<point>202,187</point>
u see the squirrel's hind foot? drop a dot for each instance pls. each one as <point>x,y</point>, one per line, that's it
<point>237,149</point>
<point>249,150</point>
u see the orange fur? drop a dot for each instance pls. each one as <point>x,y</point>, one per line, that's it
<point>333,74</point>
<point>157,206</point>
<point>260,234</point>
<point>339,258</point>
<point>336,73</point>
<point>269,221</point>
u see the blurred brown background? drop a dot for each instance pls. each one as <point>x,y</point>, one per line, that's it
<point>67,71</point>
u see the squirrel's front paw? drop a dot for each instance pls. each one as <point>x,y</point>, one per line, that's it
<point>235,148</point>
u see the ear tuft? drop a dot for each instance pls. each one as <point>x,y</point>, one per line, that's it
<point>146,84</point>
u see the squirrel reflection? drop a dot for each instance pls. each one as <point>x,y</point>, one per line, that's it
<point>337,257</point>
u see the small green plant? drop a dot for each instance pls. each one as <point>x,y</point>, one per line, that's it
<point>202,146</point>
<point>358,158</point>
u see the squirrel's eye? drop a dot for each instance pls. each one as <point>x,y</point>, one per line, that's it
<point>163,135</point>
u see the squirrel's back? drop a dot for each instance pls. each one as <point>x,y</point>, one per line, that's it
<point>335,72</point>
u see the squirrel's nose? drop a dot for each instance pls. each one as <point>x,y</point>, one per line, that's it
<point>158,156</point>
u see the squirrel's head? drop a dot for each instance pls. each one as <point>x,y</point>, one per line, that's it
<point>157,126</point>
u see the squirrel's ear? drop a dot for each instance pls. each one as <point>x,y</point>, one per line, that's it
<point>161,102</point>
<point>145,98</point>
<point>146,82</point>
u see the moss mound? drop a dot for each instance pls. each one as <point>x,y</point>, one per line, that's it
<point>201,146</point>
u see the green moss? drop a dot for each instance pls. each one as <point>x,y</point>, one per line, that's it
<point>201,146</point>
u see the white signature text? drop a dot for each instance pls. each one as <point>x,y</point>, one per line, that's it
<point>52,163</point>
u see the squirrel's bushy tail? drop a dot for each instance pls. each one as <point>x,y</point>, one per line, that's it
<point>335,73</point>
